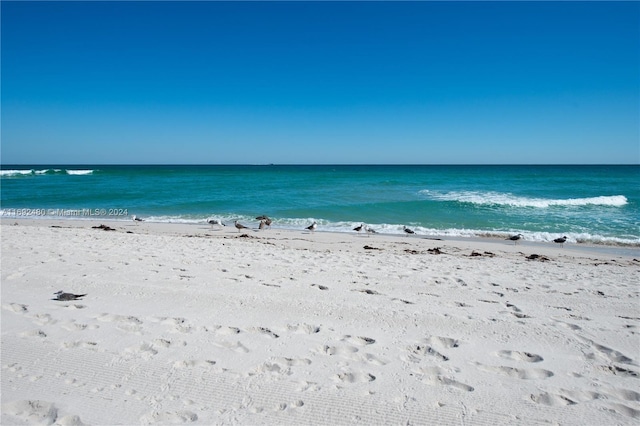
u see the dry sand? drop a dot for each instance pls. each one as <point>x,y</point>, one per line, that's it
<point>195,324</point>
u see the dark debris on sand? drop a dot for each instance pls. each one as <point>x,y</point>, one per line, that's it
<point>478,254</point>
<point>104,228</point>
<point>245,236</point>
<point>538,257</point>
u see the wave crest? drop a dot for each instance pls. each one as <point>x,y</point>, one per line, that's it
<point>496,198</point>
<point>32,172</point>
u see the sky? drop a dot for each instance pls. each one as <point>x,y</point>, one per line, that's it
<point>320,82</point>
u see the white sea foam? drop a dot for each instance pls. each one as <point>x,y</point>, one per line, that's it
<point>493,198</point>
<point>27,172</point>
<point>380,228</point>
<point>7,173</point>
<point>79,172</point>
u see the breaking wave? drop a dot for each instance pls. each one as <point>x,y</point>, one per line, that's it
<point>496,198</point>
<point>34,172</point>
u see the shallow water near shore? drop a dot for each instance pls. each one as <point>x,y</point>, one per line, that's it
<point>589,204</point>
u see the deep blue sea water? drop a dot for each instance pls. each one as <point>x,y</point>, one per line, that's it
<point>592,204</point>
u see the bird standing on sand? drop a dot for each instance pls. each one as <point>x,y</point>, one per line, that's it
<point>515,238</point>
<point>137,219</point>
<point>359,228</point>
<point>560,241</point>
<point>60,295</point>
<point>312,227</point>
<point>408,231</point>
<point>262,225</point>
<point>239,226</point>
<point>215,222</point>
<point>371,231</point>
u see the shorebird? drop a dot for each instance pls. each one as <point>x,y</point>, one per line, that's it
<point>60,295</point>
<point>266,219</point>
<point>515,238</point>
<point>408,231</point>
<point>359,228</point>
<point>215,222</point>
<point>240,226</point>
<point>560,241</point>
<point>137,219</point>
<point>262,224</point>
<point>312,227</point>
<point>371,231</point>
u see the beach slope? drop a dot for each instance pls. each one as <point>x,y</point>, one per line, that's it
<point>191,324</point>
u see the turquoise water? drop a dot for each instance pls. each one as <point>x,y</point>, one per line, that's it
<point>594,204</point>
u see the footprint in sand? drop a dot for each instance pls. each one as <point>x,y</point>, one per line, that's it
<point>418,351</point>
<point>519,356</point>
<point>43,319</point>
<point>16,307</point>
<point>193,364</point>
<point>518,373</point>
<point>303,328</point>
<point>177,325</point>
<point>552,400</point>
<point>279,366</point>
<point>358,340</point>
<point>345,350</point>
<point>73,326</point>
<point>305,386</point>
<point>436,376</point>
<point>145,350</point>
<point>34,333</point>
<point>37,412</point>
<point>446,381</point>
<point>124,323</point>
<point>354,377</point>
<point>224,330</point>
<point>285,406</point>
<point>234,346</point>
<point>264,330</point>
<point>608,353</point>
<point>79,344</point>
<point>608,397</point>
<point>14,276</point>
<point>74,306</point>
<point>14,368</point>
<point>619,371</point>
<point>169,417</point>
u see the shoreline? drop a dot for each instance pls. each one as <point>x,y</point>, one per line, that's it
<point>580,249</point>
<point>178,323</point>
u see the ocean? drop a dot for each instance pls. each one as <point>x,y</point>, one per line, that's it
<point>588,204</point>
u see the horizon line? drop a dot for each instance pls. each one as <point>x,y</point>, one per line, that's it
<point>3,165</point>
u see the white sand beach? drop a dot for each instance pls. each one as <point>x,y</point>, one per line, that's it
<point>193,324</point>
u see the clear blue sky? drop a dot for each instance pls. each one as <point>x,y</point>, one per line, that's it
<point>335,82</point>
